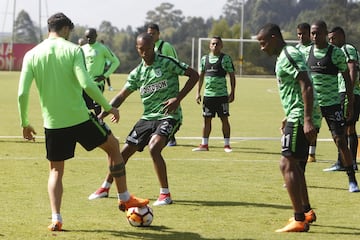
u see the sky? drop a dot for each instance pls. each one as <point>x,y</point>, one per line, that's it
<point>92,12</point>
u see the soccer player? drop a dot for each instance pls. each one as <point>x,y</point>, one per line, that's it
<point>97,57</point>
<point>303,34</point>
<point>58,68</point>
<point>326,61</point>
<point>337,38</point>
<point>157,79</point>
<point>214,68</point>
<point>297,98</point>
<point>164,48</point>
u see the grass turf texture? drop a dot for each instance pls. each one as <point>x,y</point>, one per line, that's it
<point>216,195</point>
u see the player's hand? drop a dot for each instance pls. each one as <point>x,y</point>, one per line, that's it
<point>28,133</point>
<point>115,115</point>
<point>198,98</point>
<point>310,131</point>
<point>170,105</point>
<point>99,78</point>
<point>282,127</point>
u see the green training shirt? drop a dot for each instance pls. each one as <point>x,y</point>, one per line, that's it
<point>97,55</point>
<point>165,48</point>
<point>216,86</point>
<point>157,83</point>
<point>289,87</point>
<point>351,54</point>
<point>326,85</point>
<point>58,68</point>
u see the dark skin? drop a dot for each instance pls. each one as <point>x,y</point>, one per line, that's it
<point>293,174</point>
<point>145,49</point>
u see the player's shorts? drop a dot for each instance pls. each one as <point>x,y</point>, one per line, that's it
<point>356,108</point>
<point>216,105</point>
<point>60,143</point>
<point>294,142</point>
<point>143,130</point>
<point>334,117</point>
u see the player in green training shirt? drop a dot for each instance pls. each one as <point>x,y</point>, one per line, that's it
<point>214,68</point>
<point>60,75</point>
<point>164,48</point>
<point>303,34</point>
<point>326,61</point>
<point>337,38</point>
<point>156,78</point>
<point>297,98</point>
<point>97,56</point>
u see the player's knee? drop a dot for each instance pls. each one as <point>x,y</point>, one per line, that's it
<point>118,170</point>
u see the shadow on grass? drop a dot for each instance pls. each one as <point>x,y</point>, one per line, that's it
<point>230,204</point>
<point>338,230</point>
<point>156,232</point>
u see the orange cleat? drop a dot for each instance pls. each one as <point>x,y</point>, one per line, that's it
<point>55,226</point>
<point>310,217</point>
<point>132,202</point>
<point>295,226</point>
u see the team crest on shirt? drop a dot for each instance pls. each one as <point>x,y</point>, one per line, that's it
<point>158,72</point>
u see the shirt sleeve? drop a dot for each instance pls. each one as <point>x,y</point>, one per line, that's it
<point>26,79</point>
<point>113,60</point>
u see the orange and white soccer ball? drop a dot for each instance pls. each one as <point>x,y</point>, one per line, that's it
<point>140,217</point>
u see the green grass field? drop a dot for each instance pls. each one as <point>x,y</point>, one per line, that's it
<point>216,195</point>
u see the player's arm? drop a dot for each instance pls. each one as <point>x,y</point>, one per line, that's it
<point>199,86</point>
<point>114,62</point>
<point>232,86</point>
<point>117,101</point>
<point>26,78</point>
<point>173,103</point>
<point>307,92</point>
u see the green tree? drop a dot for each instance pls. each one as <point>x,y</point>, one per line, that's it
<point>165,16</point>
<point>24,29</point>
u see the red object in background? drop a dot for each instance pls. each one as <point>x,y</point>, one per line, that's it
<point>11,57</point>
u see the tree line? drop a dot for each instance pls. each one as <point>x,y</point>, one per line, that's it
<point>180,30</point>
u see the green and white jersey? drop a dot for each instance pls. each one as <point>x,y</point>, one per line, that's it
<point>287,71</point>
<point>303,47</point>
<point>97,55</point>
<point>165,48</point>
<point>351,54</point>
<point>216,86</point>
<point>58,68</point>
<point>326,85</point>
<point>157,83</point>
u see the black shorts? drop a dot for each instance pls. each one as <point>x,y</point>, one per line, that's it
<point>356,108</point>
<point>60,143</point>
<point>216,105</point>
<point>144,129</point>
<point>90,103</point>
<point>294,142</point>
<point>334,117</point>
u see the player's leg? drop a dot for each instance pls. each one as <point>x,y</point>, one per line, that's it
<point>223,113</point>
<point>95,133</point>
<point>294,149</point>
<point>60,146</point>
<point>156,144</point>
<point>209,112</point>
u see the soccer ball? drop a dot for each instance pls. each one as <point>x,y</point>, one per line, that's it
<point>140,217</point>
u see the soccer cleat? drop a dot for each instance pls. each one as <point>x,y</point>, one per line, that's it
<point>295,226</point>
<point>311,158</point>
<point>353,187</point>
<point>100,193</point>
<point>132,202</point>
<point>164,199</point>
<point>310,217</point>
<point>55,226</point>
<point>171,143</point>
<point>111,89</point>
<point>227,148</point>
<point>335,167</point>
<point>202,147</point>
